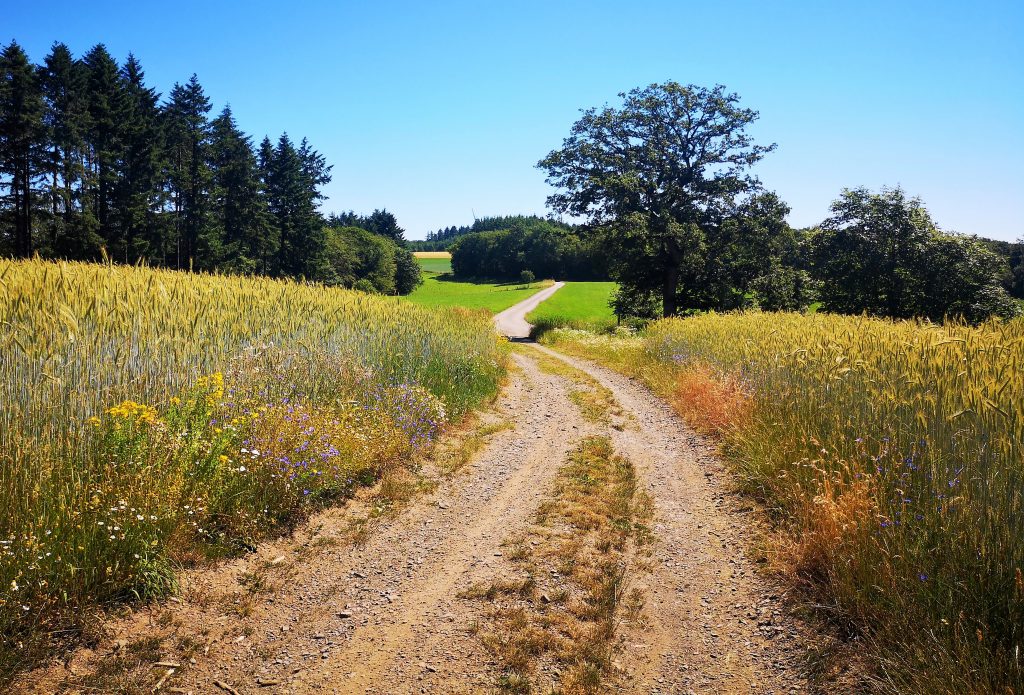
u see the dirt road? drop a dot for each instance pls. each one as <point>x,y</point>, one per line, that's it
<point>320,613</point>
<point>386,616</point>
<point>511,323</point>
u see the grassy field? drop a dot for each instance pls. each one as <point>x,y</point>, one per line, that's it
<point>577,305</point>
<point>437,262</point>
<point>440,290</point>
<point>889,454</point>
<point>153,418</point>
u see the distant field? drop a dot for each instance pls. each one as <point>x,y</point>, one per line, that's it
<point>577,305</point>
<point>434,261</point>
<point>440,291</point>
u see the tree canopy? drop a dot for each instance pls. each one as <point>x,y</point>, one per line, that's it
<point>659,174</point>
<point>95,164</point>
<point>881,253</point>
<point>546,249</point>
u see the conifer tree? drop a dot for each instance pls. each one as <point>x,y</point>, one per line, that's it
<point>63,83</point>
<point>293,178</point>
<point>239,208</point>
<point>270,249</point>
<point>137,195</point>
<point>386,224</point>
<point>187,134</point>
<point>21,140</point>
<point>103,146</point>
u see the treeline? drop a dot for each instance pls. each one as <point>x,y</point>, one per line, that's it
<point>664,180</point>
<point>878,253</point>
<point>546,248</point>
<point>442,239</point>
<point>94,165</point>
<point>1013,253</point>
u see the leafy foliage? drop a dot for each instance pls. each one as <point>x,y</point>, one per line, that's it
<point>882,253</point>
<point>546,249</point>
<point>659,175</point>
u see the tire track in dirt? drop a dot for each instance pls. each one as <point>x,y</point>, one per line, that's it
<point>422,642</point>
<point>715,626</point>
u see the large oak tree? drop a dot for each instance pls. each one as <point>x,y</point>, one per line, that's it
<point>660,174</point>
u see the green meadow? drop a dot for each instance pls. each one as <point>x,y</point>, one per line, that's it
<point>581,305</point>
<point>440,289</point>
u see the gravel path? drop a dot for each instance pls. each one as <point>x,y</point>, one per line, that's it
<point>511,323</point>
<point>715,626</point>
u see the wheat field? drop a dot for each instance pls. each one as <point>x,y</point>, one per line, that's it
<point>891,455</point>
<point>152,418</point>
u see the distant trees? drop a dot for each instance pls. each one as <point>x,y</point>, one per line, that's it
<point>92,162</point>
<point>442,239</point>
<point>379,222</point>
<point>881,253</point>
<point>547,249</point>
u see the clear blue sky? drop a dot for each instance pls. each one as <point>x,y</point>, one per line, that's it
<point>437,110</point>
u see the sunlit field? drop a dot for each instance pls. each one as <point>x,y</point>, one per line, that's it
<point>889,453</point>
<point>443,291</point>
<point>437,262</point>
<point>155,418</point>
<point>576,305</point>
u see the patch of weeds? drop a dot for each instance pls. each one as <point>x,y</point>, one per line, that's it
<point>461,450</point>
<point>578,553</point>
<point>596,403</point>
<point>491,591</point>
<point>129,670</point>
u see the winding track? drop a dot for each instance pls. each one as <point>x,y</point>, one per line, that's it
<point>511,323</point>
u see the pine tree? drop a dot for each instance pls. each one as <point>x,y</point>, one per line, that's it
<point>239,208</point>
<point>63,82</point>
<point>21,144</point>
<point>269,251</point>
<point>293,178</point>
<point>386,224</point>
<point>105,97</point>
<point>187,137</point>
<point>137,188</point>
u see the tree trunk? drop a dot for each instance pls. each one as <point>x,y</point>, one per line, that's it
<point>668,291</point>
